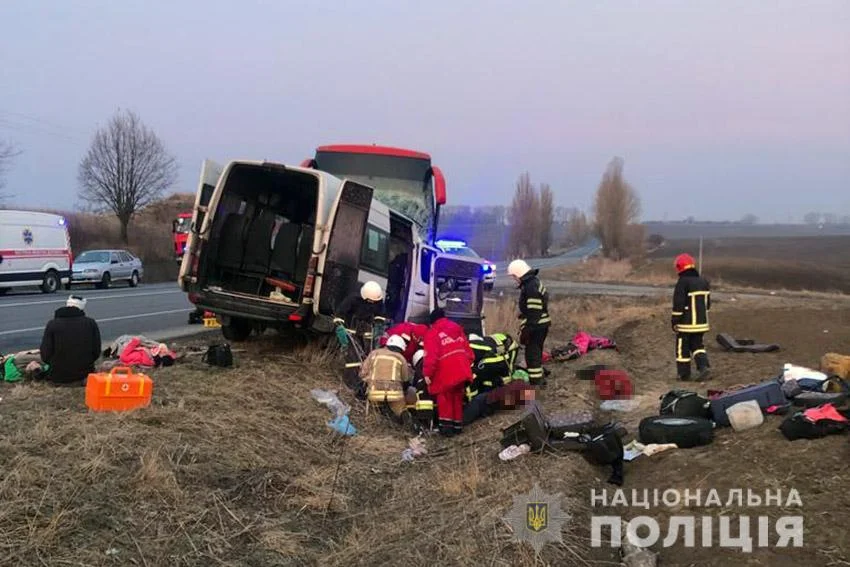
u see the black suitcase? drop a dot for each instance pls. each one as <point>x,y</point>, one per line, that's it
<point>531,429</point>
<point>574,422</point>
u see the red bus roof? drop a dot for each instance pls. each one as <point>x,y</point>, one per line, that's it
<point>373,149</point>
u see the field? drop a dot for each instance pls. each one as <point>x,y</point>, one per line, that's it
<point>819,264</point>
<point>237,467</point>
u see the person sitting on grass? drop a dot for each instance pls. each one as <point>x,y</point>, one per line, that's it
<point>71,344</point>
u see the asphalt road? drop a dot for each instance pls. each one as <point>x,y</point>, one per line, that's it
<point>159,311</point>
<point>574,256</point>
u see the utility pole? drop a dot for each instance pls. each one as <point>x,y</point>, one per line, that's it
<point>700,254</point>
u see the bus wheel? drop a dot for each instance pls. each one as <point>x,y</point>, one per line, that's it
<point>237,331</point>
<point>51,282</point>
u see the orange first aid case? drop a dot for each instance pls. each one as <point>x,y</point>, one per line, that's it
<point>118,390</point>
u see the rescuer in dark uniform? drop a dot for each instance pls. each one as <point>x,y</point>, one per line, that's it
<point>534,317</point>
<point>359,314</point>
<point>691,303</point>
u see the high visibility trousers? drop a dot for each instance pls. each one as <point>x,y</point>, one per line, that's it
<point>450,410</point>
<point>689,346</point>
<point>534,353</point>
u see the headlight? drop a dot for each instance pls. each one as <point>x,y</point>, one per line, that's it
<point>91,271</point>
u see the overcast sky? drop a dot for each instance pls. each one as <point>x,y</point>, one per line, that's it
<point>719,108</point>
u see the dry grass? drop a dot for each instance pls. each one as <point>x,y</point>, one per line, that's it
<point>237,467</point>
<point>604,270</point>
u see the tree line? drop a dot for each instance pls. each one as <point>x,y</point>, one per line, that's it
<point>127,168</point>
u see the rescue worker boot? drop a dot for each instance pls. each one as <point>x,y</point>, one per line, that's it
<point>703,367</point>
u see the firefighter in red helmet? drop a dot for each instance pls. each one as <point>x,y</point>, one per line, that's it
<point>691,304</point>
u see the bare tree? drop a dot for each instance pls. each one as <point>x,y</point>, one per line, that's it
<point>525,219</point>
<point>578,227</point>
<point>547,217</point>
<point>126,168</point>
<point>617,206</point>
<point>8,152</point>
<point>749,219</point>
<point>830,218</point>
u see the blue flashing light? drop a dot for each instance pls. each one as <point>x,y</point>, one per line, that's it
<point>61,221</point>
<point>444,244</point>
<point>487,268</point>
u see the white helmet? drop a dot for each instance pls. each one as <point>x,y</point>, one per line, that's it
<point>397,341</point>
<point>474,337</point>
<point>418,356</point>
<point>371,291</point>
<point>518,268</point>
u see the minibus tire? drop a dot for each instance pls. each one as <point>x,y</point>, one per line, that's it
<point>237,331</point>
<point>51,283</point>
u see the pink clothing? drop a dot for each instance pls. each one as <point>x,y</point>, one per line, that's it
<point>134,354</point>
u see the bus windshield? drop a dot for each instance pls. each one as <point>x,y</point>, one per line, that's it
<point>401,183</point>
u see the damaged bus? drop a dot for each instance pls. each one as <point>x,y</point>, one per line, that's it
<point>281,246</point>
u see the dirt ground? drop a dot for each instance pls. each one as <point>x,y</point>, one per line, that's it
<point>800,264</point>
<point>237,467</point>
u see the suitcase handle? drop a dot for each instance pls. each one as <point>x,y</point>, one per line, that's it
<point>125,370</point>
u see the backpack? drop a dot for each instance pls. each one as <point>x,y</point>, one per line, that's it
<point>798,426</point>
<point>682,403</point>
<point>219,355</point>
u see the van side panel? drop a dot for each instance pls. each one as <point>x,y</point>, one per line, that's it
<point>31,244</point>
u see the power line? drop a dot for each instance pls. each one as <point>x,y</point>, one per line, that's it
<point>8,124</point>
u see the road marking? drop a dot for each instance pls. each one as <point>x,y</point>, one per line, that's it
<point>110,296</point>
<point>105,320</point>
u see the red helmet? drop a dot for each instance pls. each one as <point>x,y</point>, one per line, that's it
<point>684,262</point>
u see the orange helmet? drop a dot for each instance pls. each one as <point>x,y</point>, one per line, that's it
<point>684,262</point>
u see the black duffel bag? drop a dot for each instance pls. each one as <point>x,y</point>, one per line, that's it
<point>219,355</point>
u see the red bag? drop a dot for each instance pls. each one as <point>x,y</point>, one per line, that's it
<point>613,385</point>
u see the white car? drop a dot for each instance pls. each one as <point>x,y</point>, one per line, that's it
<point>460,248</point>
<point>103,267</point>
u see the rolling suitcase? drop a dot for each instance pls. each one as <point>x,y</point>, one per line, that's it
<point>766,394</point>
<point>531,429</point>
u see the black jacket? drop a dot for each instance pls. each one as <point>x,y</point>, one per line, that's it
<point>355,311</point>
<point>70,345</point>
<point>533,301</point>
<point>691,303</point>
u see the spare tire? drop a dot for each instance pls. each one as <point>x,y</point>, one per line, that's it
<point>589,372</point>
<point>685,432</point>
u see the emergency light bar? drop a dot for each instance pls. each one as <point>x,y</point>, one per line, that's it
<point>451,244</point>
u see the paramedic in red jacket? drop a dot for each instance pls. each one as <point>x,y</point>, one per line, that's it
<point>447,370</point>
<point>412,334</point>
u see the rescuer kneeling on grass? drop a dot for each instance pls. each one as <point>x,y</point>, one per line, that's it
<point>534,317</point>
<point>691,303</point>
<point>447,369</point>
<point>71,344</point>
<point>386,373</point>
